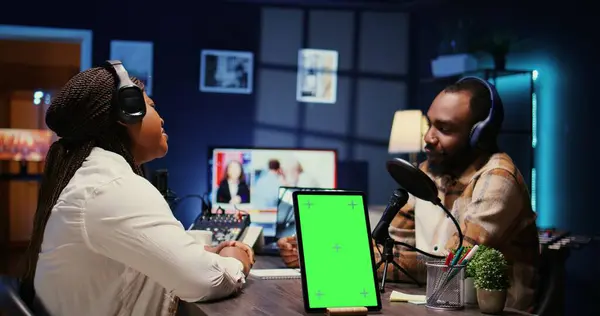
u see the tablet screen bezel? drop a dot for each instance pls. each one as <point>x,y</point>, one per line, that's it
<point>307,307</point>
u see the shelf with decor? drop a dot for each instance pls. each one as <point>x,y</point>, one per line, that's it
<point>19,185</point>
<point>23,173</point>
<point>24,143</point>
<point>486,73</point>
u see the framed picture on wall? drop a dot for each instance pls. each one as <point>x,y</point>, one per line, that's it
<point>137,57</point>
<point>317,76</point>
<point>223,71</point>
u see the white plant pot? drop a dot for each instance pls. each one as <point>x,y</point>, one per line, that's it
<point>450,65</point>
<point>470,291</point>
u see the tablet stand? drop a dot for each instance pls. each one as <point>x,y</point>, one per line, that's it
<point>347,311</point>
<point>388,258</point>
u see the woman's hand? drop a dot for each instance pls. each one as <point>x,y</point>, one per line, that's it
<point>240,255</point>
<point>219,247</point>
<point>247,260</point>
<point>246,249</point>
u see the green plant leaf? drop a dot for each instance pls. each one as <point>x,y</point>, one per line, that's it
<point>491,270</point>
<point>472,265</point>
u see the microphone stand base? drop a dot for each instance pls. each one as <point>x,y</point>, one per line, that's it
<point>387,258</point>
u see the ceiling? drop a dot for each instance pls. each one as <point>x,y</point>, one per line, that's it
<point>352,4</point>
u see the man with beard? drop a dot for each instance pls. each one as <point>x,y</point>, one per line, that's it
<point>477,182</point>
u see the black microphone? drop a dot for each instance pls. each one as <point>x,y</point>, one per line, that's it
<point>397,201</point>
<point>160,179</point>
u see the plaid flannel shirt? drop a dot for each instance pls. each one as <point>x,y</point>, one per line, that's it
<point>491,202</point>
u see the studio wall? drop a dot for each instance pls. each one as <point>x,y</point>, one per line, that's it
<point>373,80</point>
<point>194,120</point>
<point>567,115</point>
<point>564,53</point>
<point>372,84</point>
<point>565,85</point>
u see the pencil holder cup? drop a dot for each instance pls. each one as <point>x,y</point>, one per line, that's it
<point>445,286</point>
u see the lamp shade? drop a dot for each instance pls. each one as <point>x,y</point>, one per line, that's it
<point>407,132</point>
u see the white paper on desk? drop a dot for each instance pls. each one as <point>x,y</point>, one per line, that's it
<point>275,274</point>
<point>403,297</point>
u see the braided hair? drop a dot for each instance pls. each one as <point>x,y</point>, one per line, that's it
<point>82,115</point>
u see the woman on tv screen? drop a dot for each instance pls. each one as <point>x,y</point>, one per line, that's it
<point>233,188</point>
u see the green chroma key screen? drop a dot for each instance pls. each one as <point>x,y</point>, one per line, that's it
<point>336,250</point>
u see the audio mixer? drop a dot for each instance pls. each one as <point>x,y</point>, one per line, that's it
<point>225,227</point>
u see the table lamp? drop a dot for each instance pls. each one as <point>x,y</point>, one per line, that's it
<point>408,130</point>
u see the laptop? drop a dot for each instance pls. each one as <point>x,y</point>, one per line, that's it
<point>285,224</point>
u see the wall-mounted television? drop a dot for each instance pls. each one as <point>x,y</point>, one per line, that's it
<point>251,177</point>
<point>248,179</point>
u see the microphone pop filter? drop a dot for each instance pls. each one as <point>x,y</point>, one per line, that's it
<point>413,180</point>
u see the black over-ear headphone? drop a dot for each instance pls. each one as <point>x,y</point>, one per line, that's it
<point>492,123</point>
<point>128,98</point>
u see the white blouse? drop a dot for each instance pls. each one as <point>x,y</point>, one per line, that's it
<point>113,247</point>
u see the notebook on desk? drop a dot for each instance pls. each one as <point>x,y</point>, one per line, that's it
<point>275,274</point>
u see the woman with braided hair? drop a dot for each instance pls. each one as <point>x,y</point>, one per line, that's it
<point>104,240</point>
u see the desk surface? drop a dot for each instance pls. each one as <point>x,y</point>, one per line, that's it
<point>284,297</point>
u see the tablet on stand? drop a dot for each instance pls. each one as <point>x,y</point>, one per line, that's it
<point>336,257</point>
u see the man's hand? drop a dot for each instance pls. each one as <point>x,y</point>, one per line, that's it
<point>239,254</point>
<point>288,249</point>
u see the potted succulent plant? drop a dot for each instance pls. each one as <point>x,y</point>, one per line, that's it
<point>491,280</point>
<point>495,41</point>
<point>497,45</point>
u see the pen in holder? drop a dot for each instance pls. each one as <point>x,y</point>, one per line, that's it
<point>445,286</point>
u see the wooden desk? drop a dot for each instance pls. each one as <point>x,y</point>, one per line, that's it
<point>284,298</point>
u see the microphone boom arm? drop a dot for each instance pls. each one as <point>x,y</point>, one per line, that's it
<point>415,249</point>
<point>461,237</point>
<point>414,181</point>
